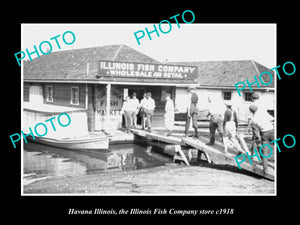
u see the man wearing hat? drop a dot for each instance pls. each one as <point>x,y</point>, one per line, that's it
<point>263,131</point>
<point>192,110</point>
<point>256,101</point>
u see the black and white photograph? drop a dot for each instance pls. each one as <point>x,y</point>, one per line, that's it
<point>126,109</point>
<point>122,111</point>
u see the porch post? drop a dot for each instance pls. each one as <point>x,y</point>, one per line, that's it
<point>108,92</point>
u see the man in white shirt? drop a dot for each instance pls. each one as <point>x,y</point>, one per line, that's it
<point>169,114</point>
<point>263,131</point>
<point>135,103</point>
<point>149,107</point>
<point>127,112</point>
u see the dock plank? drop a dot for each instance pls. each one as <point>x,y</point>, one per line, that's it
<point>199,144</point>
<point>219,146</point>
<point>158,137</point>
<point>163,138</point>
<point>230,158</point>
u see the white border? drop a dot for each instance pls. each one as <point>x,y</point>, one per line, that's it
<point>75,194</point>
<point>22,94</point>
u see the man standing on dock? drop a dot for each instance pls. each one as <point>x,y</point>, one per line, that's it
<point>263,131</point>
<point>169,114</point>
<point>143,110</point>
<point>127,112</point>
<point>149,106</point>
<point>216,111</point>
<point>192,111</point>
<point>230,125</point>
<point>135,103</point>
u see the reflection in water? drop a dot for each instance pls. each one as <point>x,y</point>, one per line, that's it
<point>40,160</point>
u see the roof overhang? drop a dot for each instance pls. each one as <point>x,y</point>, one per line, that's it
<point>157,83</point>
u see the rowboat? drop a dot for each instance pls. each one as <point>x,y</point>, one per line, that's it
<point>89,142</point>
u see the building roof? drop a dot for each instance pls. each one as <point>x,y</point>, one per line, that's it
<point>71,65</point>
<point>228,73</point>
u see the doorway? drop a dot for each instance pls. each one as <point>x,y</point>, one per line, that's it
<point>159,95</point>
<point>139,92</point>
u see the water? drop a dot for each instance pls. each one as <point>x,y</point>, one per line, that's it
<point>41,161</point>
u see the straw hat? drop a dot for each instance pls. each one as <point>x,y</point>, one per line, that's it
<point>228,103</point>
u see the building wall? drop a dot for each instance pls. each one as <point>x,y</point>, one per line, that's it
<point>62,95</point>
<point>26,92</point>
<point>267,100</point>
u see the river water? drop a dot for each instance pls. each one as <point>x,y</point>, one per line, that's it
<point>41,161</point>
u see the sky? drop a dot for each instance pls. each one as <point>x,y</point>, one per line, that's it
<point>190,42</point>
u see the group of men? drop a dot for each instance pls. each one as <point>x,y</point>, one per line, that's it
<point>226,122</point>
<point>223,118</point>
<point>132,107</point>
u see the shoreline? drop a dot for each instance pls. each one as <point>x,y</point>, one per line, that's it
<point>170,179</point>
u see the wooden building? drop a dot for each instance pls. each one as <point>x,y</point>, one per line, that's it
<point>216,79</point>
<point>82,78</point>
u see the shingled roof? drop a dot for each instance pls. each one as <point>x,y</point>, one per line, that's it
<point>72,64</point>
<point>228,73</point>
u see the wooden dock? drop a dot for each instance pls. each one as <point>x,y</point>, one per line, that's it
<point>187,148</point>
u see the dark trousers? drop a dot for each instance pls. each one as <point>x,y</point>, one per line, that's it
<point>194,118</point>
<point>215,123</point>
<point>144,118</point>
<point>266,138</point>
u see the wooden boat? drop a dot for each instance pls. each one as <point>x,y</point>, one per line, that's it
<point>74,136</point>
<point>89,142</point>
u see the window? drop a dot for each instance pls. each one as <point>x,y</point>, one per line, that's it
<point>49,93</point>
<point>36,94</point>
<point>248,96</point>
<point>74,95</point>
<point>227,95</point>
